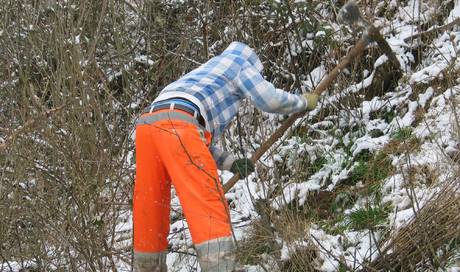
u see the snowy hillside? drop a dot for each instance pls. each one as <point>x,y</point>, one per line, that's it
<point>401,152</point>
<point>368,181</point>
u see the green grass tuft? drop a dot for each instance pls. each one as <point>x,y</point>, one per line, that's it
<point>359,172</point>
<point>389,116</point>
<point>368,218</point>
<point>402,134</point>
<point>372,169</point>
<point>317,164</point>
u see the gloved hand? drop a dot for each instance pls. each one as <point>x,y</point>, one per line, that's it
<point>312,100</point>
<point>242,166</point>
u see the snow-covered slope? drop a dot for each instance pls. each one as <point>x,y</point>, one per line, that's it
<point>423,108</point>
<point>343,190</point>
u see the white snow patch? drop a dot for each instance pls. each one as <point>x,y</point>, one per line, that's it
<point>315,77</point>
<point>368,143</point>
<point>144,60</point>
<point>454,13</point>
<point>329,245</point>
<point>429,73</point>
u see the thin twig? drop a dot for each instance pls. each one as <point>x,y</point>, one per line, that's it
<point>434,30</point>
<point>331,254</point>
<point>28,124</point>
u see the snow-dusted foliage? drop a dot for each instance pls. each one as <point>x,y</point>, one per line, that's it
<point>335,193</point>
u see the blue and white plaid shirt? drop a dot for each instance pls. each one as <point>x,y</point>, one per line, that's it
<point>218,86</point>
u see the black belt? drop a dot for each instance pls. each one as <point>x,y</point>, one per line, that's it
<point>175,106</point>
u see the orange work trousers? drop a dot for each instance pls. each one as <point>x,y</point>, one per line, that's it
<point>176,151</point>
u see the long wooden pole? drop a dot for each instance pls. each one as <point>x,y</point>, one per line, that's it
<point>354,52</point>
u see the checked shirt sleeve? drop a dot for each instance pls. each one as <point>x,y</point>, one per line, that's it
<point>265,96</point>
<point>224,159</point>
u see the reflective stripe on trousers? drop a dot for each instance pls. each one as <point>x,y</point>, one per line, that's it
<point>174,150</point>
<point>216,255</point>
<point>151,262</point>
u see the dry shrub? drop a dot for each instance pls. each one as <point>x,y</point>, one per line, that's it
<point>73,77</point>
<point>430,239</point>
<point>260,240</point>
<point>292,226</point>
<point>302,259</point>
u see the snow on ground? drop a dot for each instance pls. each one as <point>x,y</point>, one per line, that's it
<point>437,131</point>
